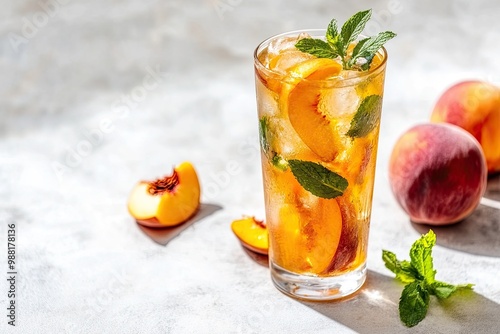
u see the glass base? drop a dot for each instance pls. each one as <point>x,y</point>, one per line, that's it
<point>317,288</point>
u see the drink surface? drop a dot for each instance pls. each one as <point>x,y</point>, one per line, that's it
<point>310,109</point>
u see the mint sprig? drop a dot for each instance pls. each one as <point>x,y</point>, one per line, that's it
<point>419,275</point>
<point>337,43</point>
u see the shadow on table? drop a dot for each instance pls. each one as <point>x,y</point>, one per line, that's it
<point>374,309</point>
<point>260,259</point>
<point>477,234</point>
<point>163,235</point>
<point>493,188</point>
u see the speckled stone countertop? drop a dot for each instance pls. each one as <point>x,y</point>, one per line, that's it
<point>96,95</point>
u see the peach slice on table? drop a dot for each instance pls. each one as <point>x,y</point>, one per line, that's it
<point>306,239</point>
<point>301,99</point>
<point>168,201</point>
<point>252,234</point>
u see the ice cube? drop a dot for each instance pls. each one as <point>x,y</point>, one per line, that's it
<point>267,100</point>
<point>339,103</point>
<point>282,44</point>
<point>282,62</point>
<point>288,144</point>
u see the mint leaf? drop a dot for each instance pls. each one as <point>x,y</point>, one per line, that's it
<point>368,47</point>
<point>266,146</point>
<point>421,256</point>
<point>353,27</point>
<point>367,116</point>
<point>316,47</point>
<point>413,304</point>
<point>263,134</point>
<point>333,37</point>
<point>444,290</point>
<point>317,179</point>
<point>403,269</point>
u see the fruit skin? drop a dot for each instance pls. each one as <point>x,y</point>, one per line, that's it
<point>437,173</point>
<point>475,107</point>
<point>252,234</point>
<point>172,206</point>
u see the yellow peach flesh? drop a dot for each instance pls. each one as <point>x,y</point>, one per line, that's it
<point>252,234</point>
<point>171,200</point>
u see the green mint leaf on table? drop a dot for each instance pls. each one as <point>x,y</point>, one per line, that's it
<point>337,43</point>
<point>421,257</point>
<point>413,304</point>
<point>317,179</point>
<point>420,275</point>
<point>443,290</point>
<point>316,47</point>
<point>403,269</point>
<point>366,117</point>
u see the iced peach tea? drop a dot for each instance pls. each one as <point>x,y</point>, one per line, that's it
<point>319,128</point>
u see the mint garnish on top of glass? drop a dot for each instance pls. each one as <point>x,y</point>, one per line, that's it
<point>360,55</point>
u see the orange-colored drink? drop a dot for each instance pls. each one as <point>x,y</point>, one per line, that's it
<point>319,127</point>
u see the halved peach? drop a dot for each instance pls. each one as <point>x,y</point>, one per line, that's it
<point>170,200</point>
<point>252,234</point>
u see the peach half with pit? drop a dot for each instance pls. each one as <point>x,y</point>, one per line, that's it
<point>168,201</point>
<point>437,173</point>
<point>475,107</point>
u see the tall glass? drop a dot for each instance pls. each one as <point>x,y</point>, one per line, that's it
<point>319,128</point>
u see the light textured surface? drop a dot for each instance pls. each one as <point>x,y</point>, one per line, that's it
<point>86,267</point>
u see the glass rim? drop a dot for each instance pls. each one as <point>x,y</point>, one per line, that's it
<point>314,33</point>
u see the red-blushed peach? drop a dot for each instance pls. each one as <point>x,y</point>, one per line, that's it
<point>437,173</point>
<point>475,107</point>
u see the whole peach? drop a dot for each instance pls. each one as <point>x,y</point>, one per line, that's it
<point>437,173</point>
<point>475,107</point>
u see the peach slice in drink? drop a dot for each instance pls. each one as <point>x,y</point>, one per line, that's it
<point>346,252</point>
<point>301,99</point>
<point>306,239</point>
<point>280,64</point>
